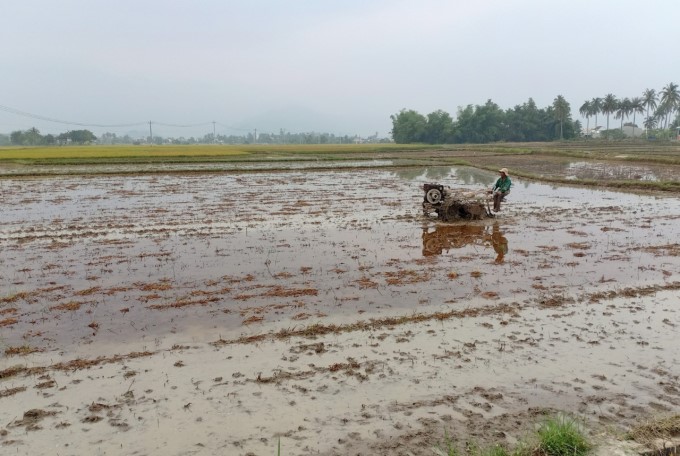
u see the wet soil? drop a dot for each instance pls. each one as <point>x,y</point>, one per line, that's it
<point>616,168</point>
<point>218,313</point>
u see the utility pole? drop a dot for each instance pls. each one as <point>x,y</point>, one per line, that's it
<point>150,134</point>
<point>255,137</point>
<point>214,138</point>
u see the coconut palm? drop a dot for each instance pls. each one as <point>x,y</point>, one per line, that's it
<point>561,111</point>
<point>623,110</point>
<point>649,99</point>
<point>670,100</point>
<point>637,107</point>
<point>609,105</point>
<point>661,112</point>
<point>650,123</point>
<point>596,105</point>
<point>586,110</point>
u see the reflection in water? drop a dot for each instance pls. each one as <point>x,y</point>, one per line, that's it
<point>452,174</point>
<point>438,172</point>
<point>409,174</point>
<point>447,237</point>
<point>432,173</point>
<point>499,243</point>
<point>471,176</point>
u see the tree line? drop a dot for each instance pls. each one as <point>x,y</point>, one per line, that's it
<point>527,123</point>
<point>283,137</point>
<point>658,108</point>
<point>32,137</point>
<point>487,123</point>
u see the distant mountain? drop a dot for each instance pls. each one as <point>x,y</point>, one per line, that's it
<point>297,119</point>
<point>137,134</point>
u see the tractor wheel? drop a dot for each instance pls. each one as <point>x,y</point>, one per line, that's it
<point>433,196</point>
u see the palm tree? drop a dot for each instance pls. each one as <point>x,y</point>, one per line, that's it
<point>596,104</point>
<point>649,99</point>
<point>649,102</point>
<point>661,113</point>
<point>670,100</point>
<point>623,110</point>
<point>650,123</point>
<point>586,110</point>
<point>561,111</point>
<point>637,107</point>
<point>609,105</point>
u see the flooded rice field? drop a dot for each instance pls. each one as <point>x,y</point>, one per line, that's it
<point>267,163</point>
<point>599,170</point>
<point>220,313</point>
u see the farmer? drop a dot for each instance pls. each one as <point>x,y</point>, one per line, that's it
<point>500,189</point>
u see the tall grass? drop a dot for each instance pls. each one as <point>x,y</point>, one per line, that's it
<point>562,436</point>
<point>447,448</point>
<point>496,450</point>
<point>558,436</point>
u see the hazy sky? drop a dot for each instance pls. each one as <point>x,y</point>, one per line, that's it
<point>357,62</point>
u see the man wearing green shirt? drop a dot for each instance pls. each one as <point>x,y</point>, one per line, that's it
<point>500,189</point>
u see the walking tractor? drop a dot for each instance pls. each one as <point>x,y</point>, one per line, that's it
<point>449,204</point>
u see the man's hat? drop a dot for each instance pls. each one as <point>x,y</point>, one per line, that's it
<point>504,171</point>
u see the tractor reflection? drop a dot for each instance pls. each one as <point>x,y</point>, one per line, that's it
<point>447,237</point>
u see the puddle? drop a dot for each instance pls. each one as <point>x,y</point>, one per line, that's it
<point>94,266</point>
<point>162,252</point>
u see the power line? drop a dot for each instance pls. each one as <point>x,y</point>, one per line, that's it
<point>182,126</point>
<point>66,122</point>
<point>228,127</point>
<point>133,124</point>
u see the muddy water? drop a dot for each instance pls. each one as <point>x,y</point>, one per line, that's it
<point>13,169</point>
<point>542,307</point>
<point>616,169</point>
<point>91,258</point>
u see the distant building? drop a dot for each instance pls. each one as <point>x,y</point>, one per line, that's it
<point>592,133</point>
<point>633,131</point>
<point>630,131</point>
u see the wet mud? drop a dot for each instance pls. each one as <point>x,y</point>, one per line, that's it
<point>221,313</point>
<point>617,168</point>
